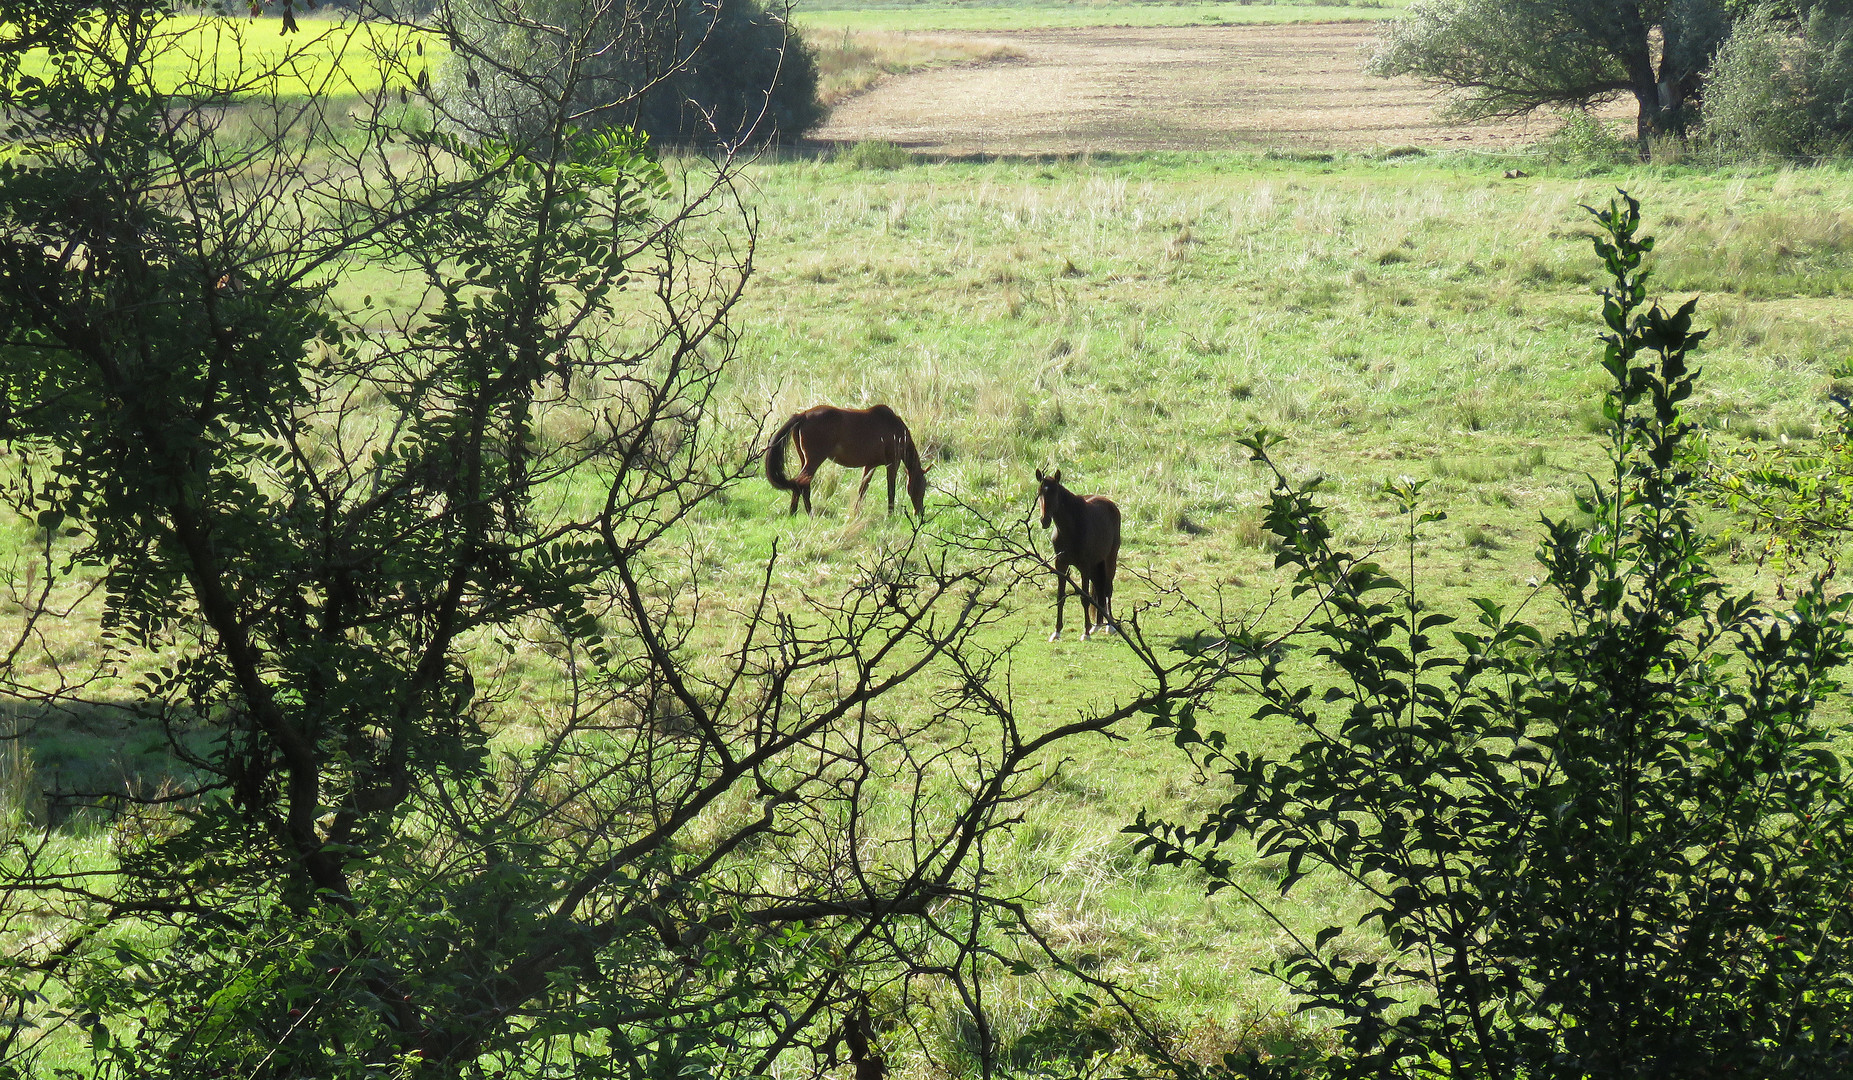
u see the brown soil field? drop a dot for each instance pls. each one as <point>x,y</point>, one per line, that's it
<point>1165,88</point>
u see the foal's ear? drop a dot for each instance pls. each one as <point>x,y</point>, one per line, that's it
<point>1039,476</point>
<point>1055,477</point>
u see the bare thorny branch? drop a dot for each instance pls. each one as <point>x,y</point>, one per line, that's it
<point>477,765</point>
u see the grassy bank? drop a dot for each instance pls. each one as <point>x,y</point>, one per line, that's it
<point>851,61</point>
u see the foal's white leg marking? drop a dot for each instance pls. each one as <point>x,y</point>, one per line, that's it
<point>1057,636</point>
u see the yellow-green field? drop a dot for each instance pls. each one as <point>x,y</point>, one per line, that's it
<point>253,57</point>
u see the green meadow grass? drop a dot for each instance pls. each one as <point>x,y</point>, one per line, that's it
<point>1127,318</point>
<point>925,15</point>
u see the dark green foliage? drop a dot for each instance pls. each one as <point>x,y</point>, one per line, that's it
<point>1615,850</point>
<point>702,72</point>
<point>746,75</point>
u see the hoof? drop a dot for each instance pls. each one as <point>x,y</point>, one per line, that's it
<point>1057,636</point>
<point>1104,628</point>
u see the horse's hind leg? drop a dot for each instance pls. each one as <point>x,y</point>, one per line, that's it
<point>868,473</point>
<point>807,470</point>
<point>798,491</point>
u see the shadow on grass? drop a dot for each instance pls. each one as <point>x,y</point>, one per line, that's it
<point>86,758</point>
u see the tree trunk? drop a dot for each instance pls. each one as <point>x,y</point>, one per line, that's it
<point>1648,117</point>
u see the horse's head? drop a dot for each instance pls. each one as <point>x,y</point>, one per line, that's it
<point>1047,486</point>
<point>916,489</point>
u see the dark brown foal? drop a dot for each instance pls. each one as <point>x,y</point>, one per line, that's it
<point>1087,537</point>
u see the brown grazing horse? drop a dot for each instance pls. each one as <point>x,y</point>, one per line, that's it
<point>1087,537</point>
<point>859,438</point>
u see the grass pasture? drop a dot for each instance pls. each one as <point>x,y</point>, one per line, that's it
<point>1125,318</point>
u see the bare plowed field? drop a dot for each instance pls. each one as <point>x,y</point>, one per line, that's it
<point>1164,88</point>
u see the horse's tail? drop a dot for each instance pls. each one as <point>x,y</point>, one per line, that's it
<point>775,455</point>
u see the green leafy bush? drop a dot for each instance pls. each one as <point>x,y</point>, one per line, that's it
<point>747,76</point>
<point>1783,86</point>
<point>700,72</point>
<point>1585,139</point>
<point>1619,848</point>
<point>875,154</point>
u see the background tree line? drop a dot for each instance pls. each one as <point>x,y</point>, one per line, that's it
<point>1763,76</point>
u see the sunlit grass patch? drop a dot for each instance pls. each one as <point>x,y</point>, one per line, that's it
<point>850,61</point>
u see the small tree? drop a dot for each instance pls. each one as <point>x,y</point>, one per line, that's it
<point>1613,850</point>
<point>1507,58</point>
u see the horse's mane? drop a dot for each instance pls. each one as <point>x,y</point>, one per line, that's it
<point>1073,507</point>
<point>909,452</point>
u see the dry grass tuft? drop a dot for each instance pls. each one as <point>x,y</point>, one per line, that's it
<point>852,61</point>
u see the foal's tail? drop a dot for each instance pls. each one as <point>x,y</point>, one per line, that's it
<point>775,455</point>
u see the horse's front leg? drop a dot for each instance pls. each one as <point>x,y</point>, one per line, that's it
<point>1096,603</point>
<point>892,465</point>
<point>1106,597</point>
<point>1061,597</point>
